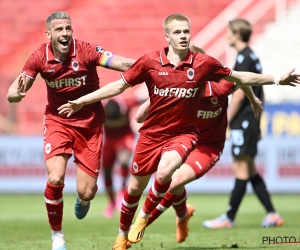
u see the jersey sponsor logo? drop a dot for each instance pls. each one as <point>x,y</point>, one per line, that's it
<point>163,73</point>
<point>176,92</point>
<point>67,82</point>
<point>75,65</point>
<point>190,73</point>
<point>204,114</point>
<point>99,49</point>
<point>50,70</point>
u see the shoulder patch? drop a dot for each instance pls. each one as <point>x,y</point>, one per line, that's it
<point>99,49</point>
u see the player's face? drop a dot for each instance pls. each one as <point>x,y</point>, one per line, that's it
<point>179,35</point>
<point>231,37</point>
<point>60,34</point>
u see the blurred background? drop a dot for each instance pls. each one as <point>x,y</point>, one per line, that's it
<point>132,28</point>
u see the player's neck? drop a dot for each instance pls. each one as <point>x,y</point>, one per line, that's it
<point>239,46</point>
<point>176,56</point>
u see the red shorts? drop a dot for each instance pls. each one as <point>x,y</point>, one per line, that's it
<point>113,145</point>
<point>202,159</point>
<point>148,152</point>
<point>85,144</point>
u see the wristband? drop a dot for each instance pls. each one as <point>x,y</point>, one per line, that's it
<point>277,79</point>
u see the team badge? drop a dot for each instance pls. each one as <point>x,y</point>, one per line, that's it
<point>99,49</point>
<point>48,148</point>
<point>190,73</point>
<point>75,65</point>
<point>135,167</point>
<point>214,100</point>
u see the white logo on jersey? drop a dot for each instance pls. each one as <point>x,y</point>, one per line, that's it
<point>75,65</point>
<point>183,147</point>
<point>163,73</point>
<point>190,73</point>
<point>176,92</point>
<point>208,114</point>
<point>99,49</point>
<point>67,82</point>
<point>50,70</point>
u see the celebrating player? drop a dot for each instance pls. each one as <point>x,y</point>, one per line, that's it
<point>69,69</point>
<point>175,77</point>
<point>117,147</point>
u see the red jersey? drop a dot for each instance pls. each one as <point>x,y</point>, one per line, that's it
<point>212,113</point>
<point>117,121</point>
<point>69,80</point>
<point>173,91</point>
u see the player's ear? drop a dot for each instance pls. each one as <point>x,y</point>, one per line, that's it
<point>167,38</point>
<point>48,35</point>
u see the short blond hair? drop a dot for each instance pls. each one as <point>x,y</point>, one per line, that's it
<point>176,16</point>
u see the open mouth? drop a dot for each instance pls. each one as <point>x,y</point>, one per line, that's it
<point>64,43</point>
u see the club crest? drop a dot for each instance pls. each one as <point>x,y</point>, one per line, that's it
<point>214,100</point>
<point>135,167</point>
<point>190,73</point>
<point>75,65</point>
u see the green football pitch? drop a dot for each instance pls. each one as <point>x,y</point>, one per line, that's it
<point>24,226</point>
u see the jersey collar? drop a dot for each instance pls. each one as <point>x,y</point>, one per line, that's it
<point>164,60</point>
<point>49,51</point>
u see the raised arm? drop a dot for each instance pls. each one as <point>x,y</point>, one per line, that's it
<point>17,90</point>
<point>109,90</point>
<point>253,79</point>
<point>142,112</point>
<point>115,62</point>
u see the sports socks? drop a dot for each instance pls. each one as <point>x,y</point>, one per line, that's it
<point>165,203</point>
<point>262,193</point>
<point>236,197</point>
<point>155,195</point>
<point>54,204</point>
<point>179,205</point>
<point>128,209</point>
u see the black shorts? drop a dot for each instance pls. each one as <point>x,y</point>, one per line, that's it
<point>244,137</point>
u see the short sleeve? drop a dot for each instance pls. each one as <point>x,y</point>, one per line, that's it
<point>32,64</point>
<point>216,70</point>
<point>137,73</point>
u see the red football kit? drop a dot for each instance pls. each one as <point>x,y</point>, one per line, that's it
<point>212,124</point>
<point>174,96</point>
<point>118,134</point>
<point>66,81</point>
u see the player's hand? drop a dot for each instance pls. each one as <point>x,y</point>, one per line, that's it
<point>257,107</point>
<point>70,108</point>
<point>290,79</point>
<point>22,84</point>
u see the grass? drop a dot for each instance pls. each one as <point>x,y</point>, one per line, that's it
<point>24,225</point>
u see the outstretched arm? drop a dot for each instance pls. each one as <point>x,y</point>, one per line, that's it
<point>109,90</point>
<point>253,79</point>
<point>115,62</point>
<point>142,112</point>
<point>17,90</point>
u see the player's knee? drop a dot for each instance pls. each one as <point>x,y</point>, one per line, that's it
<point>164,175</point>
<point>55,180</point>
<point>86,194</point>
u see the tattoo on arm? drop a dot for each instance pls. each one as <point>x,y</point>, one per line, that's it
<point>115,62</point>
